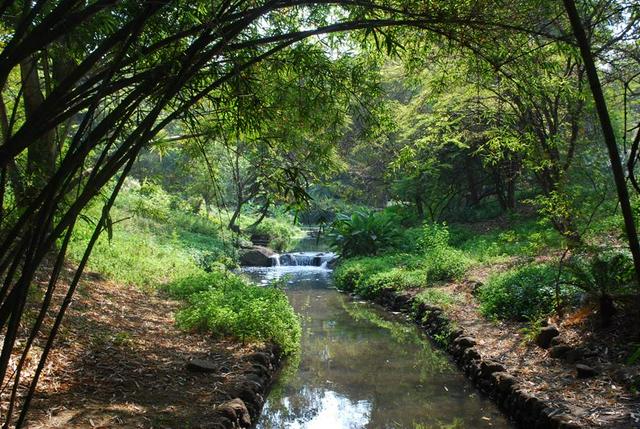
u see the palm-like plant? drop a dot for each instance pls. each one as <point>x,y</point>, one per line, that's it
<point>602,276</point>
<point>362,233</point>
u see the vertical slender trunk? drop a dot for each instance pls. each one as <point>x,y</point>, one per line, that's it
<point>419,206</point>
<point>474,194</point>
<point>41,156</point>
<point>607,131</point>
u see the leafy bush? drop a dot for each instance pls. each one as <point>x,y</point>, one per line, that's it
<point>523,293</point>
<point>446,263</point>
<point>152,202</point>
<point>363,233</point>
<point>442,262</point>
<point>437,297</point>
<point>603,273</point>
<point>522,238</point>
<point>368,275</point>
<point>280,234</point>
<point>200,282</point>
<point>434,236</point>
<point>227,305</point>
<point>601,276</point>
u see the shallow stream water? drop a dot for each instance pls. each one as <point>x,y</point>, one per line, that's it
<point>363,367</point>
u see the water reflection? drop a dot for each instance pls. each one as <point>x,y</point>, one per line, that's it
<point>362,367</point>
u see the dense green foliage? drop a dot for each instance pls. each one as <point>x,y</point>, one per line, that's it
<point>524,293</point>
<point>606,272</point>
<point>434,260</point>
<point>362,233</point>
<point>226,305</point>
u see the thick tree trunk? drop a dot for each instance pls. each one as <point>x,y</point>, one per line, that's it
<point>607,132</point>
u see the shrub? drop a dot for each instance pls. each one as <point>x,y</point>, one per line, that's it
<point>446,263</point>
<point>437,297</point>
<point>434,236</point>
<point>363,233</point>
<point>601,276</point>
<point>523,293</point>
<point>200,282</point>
<point>368,275</point>
<point>442,262</point>
<point>152,202</point>
<point>235,308</point>
<point>279,233</point>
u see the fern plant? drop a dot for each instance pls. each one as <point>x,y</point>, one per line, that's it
<point>601,276</point>
<point>362,233</point>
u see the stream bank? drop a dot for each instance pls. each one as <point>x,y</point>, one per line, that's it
<point>121,361</point>
<point>362,366</point>
<point>490,376</point>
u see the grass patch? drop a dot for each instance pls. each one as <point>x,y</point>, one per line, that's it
<point>434,261</point>
<point>438,297</point>
<point>523,238</point>
<point>366,276</point>
<point>523,293</point>
<point>159,245</point>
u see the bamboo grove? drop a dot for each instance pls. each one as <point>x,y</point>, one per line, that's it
<point>86,85</point>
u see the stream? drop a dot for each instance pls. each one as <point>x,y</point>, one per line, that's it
<point>361,366</point>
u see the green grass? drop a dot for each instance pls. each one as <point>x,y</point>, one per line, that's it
<point>227,305</point>
<point>438,297</point>
<point>367,276</point>
<point>521,238</point>
<point>433,260</point>
<point>162,246</point>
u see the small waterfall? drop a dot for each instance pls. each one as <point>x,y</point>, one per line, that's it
<point>275,260</point>
<point>306,259</point>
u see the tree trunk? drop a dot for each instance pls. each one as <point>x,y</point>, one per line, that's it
<point>41,154</point>
<point>419,206</point>
<point>607,132</point>
<point>474,194</point>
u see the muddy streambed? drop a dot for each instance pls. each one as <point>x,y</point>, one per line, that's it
<point>362,367</point>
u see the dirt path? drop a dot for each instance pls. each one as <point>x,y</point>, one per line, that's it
<point>606,400</point>
<point>121,362</point>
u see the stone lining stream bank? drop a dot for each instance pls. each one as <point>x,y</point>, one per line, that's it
<point>248,395</point>
<point>491,377</point>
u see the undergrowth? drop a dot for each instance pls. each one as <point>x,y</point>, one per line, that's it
<point>227,305</point>
<point>154,243</point>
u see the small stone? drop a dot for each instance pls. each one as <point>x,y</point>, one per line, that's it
<point>555,341</point>
<point>488,367</point>
<point>545,336</point>
<point>236,411</point>
<point>202,365</point>
<point>559,351</point>
<point>504,380</point>
<point>471,354</point>
<point>573,355</point>
<point>560,420</point>
<point>259,357</point>
<point>584,371</point>
<point>465,342</point>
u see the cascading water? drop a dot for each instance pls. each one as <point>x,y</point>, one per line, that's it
<point>307,259</point>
